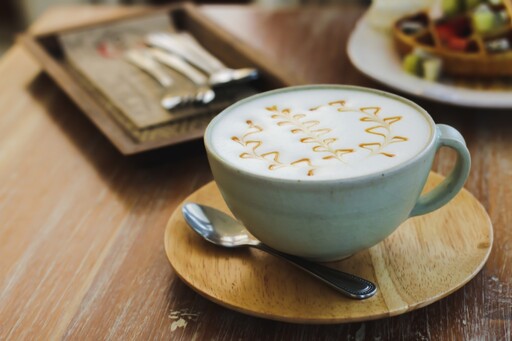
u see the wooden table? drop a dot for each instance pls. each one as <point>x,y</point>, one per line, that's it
<point>81,239</point>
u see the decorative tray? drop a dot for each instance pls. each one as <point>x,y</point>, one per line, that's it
<point>54,51</point>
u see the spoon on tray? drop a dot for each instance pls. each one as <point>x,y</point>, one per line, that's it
<point>220,229</point>
<point>188,48</point>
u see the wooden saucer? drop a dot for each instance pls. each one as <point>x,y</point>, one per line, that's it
<point>424,260</point>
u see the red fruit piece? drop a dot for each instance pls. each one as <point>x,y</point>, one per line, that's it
<point>458,44</point>
<point>459,26</point>
<point>453,32</point>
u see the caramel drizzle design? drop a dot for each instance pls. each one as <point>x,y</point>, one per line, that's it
<point>381,128</point>
<point>272,158</point>
<point>313,133</point>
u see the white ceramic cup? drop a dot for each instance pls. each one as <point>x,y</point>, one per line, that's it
<point>331,219</point>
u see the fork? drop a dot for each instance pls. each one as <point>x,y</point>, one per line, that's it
<point>173,97</point>
<point>185,46</point>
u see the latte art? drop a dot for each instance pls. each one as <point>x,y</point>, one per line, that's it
<point>312,134</point>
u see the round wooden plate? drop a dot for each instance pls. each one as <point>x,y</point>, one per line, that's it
<point>424,260</point>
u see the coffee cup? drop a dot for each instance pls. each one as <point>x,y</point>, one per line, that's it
<point>325,171</point>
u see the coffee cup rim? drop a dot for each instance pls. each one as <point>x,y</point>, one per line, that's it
<point>378,174</point>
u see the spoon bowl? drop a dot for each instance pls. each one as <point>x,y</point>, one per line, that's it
<point>216,226</point>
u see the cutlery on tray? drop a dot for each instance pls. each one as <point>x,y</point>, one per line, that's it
<point>173,96</point>
<point>183,54</point>
<point>204,93</point>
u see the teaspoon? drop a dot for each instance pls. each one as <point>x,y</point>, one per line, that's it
<point>220,229</point>
<point>185,46</point>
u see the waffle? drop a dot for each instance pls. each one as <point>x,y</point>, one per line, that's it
<point>464,46</point>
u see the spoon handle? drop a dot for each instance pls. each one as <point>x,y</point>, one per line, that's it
<point>348,284</point>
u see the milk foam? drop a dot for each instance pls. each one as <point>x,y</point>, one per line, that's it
<point>317,134</point>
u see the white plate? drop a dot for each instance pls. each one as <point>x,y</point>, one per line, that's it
<point>373,53</point>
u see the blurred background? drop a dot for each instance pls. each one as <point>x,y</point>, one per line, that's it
<point>17,15</point>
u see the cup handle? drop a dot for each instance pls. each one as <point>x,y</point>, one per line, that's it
<point>446,190</point>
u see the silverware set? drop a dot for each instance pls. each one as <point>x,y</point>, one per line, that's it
<point>185,55</point>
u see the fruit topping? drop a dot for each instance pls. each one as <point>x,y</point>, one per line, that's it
<point>498,45</point>
<point>454,32</point>
<point>411,27</point>
<point>412,64</point>
<point>423,64</point>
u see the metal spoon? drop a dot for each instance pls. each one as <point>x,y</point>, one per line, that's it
<point>220,229</point>
<point>185,46</point>
<point>173,96</point>
<point>204,92</point>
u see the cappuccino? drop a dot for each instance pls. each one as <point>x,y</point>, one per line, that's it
<point>325,171</point>
<point>320,134</point>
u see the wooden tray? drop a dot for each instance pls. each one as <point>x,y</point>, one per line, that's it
<point>47,49</point>
<point>424,260</point>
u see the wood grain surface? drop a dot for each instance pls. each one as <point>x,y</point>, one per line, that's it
<point>424,260</point>
<point>81,240</point>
